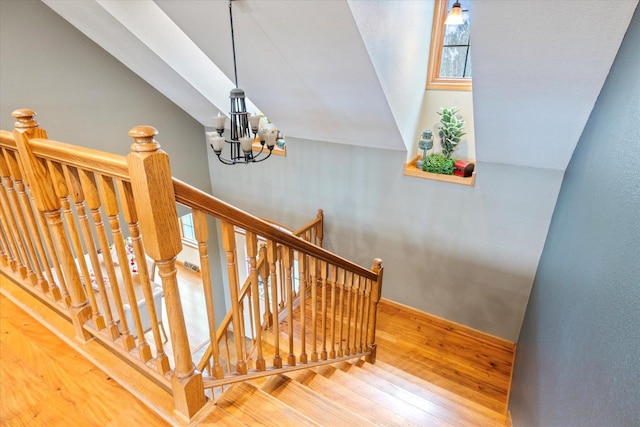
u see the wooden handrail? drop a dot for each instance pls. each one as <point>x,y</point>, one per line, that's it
<point>80,157</point>
<point>191,196</point>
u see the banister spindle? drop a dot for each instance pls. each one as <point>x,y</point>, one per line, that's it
<point>272,258</point>
<point>152,184</point>
<point>252,253</point>
<point>229,245</point>
<point>313,271</point>
<point>201,230</point>
<point>348,286</point>
<point>31,218</point>
<point>17,193</point>
<point>302,281</point>
<point>62,191</point>
<point>323,313</point>
<point>319,228</point>
<point>332,282</point>
<point>131,218</point>
<point>288,266</point>
<point>340,285</point>
<point>46,201</point>
<point>9,217</point>
<point>92,199</point>
<point>263,271</point>
<point>376,293</point>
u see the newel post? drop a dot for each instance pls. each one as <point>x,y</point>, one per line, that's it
<point>39,178</point>
<point>376,293</point>
<point>152,186</point>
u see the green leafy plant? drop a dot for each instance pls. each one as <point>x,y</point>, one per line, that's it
<point>437,163</point>
<point>450,130</point>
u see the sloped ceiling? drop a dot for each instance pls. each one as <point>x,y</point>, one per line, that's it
<point>538,65</point>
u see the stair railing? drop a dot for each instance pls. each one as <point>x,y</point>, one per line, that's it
<point>54,242</point>
<point>311,232</point>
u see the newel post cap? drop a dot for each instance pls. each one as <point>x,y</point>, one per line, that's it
<point>24,118</point>
<point>143,139</point>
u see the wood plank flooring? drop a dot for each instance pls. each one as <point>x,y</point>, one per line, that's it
<point>36,367</point>
<point>44,382</point>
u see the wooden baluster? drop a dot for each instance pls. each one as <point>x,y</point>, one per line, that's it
<point>62,191</point>
<point>4,245</point>
<point>362,307</point>
<point>18,195</point>
<point>288,267</point>
<point>55,171</point>
<point>32,225</point>
<point>348,290</point>
<point>247,348</point>
<point>152,185</point>
<point>131,218</point>
<point>60,292</point>
<point>365,319</point>
<point>356,311</point>
<point>77,196</point>
<point>323,278</point>
<point>283,284</point>
<point>252,253</point>
<point>92,199</point>
<point>313,271</point>
<point>376,293</point>
<point>320,228</point>
<point>229,245</point>
<point>10,213</point>
<point>332,282</point>
<point>202,235</point>
<point>340,285</point>
<point>12,251</point>
<point>272,257</point>
<point>302,280</point>
<point>263,270</point>
<point>111,210</point>
<point>45,199</point>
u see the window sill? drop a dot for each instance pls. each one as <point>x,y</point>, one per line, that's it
<point>410,169</point>
<point>276,150</point>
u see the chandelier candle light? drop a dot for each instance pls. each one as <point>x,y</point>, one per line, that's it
<point>242,126</point>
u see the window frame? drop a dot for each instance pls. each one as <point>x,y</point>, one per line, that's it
<point>434,81</point>
<point>186,240</point>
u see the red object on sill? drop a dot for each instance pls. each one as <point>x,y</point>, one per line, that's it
<point>463,169</point>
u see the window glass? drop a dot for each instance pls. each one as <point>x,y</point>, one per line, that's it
<point>188,232</point>
<point>450,55</point>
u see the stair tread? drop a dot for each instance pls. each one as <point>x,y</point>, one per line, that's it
<point>354,399</point>
<point>373,389</point>
<point>453,409</point>
<point>251,405</point>
<point>430,392</point>
<point>220,417</point>
<point>312,403</point>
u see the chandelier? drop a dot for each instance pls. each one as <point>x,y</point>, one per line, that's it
<point>243,125</point>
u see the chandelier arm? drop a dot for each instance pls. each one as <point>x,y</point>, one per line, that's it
<point>264,158</point>
<point>223,160</point>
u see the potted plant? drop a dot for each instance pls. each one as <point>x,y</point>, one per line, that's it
<point>437,163</point>
<point>450,130</point>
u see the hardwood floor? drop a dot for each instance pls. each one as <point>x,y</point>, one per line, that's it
<point>44,382</point>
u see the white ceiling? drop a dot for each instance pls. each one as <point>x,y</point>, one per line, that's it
<point>538,65</point>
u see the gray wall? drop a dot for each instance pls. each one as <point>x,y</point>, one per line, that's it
<point>578,358</point>
<point>466,254</point>
<point>82,95</point>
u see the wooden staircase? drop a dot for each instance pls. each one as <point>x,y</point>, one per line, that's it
<point>353,393</point>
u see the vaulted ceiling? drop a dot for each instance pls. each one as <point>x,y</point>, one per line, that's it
<point>335,70</point>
